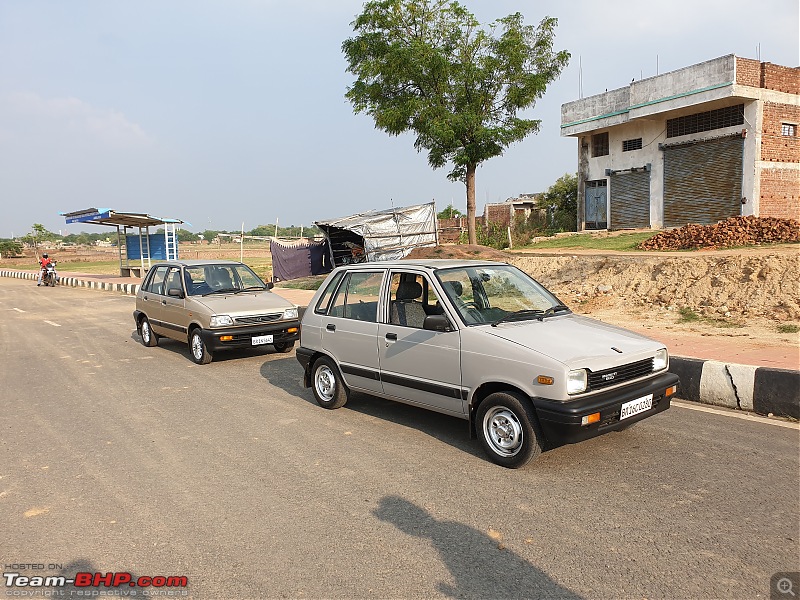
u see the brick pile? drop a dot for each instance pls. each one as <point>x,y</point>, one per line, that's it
<point>735,231</point>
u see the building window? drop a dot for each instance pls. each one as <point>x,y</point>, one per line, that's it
<point>706,121</point>
<point>789,129</point>
<point>600,144</point>
<point>628,145</point>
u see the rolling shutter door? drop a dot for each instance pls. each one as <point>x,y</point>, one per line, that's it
<point>630,200</point>
<point>703,181</point>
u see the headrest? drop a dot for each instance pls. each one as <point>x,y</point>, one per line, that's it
<point>408,290</point>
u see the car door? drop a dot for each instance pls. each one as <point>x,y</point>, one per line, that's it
<point>350,329</point>
<point>152,295</point>
<point>173,308</point>
<point>418,365</point>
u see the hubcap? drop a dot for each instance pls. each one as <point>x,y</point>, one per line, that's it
<point>325,383</point>
<point>197,346</point>
<point>503,431</point>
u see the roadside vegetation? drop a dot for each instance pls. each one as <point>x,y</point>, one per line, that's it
<point>623,242</point>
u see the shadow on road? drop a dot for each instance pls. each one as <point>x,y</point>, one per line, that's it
<point>480,567</point>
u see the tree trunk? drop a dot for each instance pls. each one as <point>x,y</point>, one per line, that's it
<point>473,238</point>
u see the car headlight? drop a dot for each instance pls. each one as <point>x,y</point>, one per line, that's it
<point>290,313</point>
<point>661,360</point>
<point>220,321</point>
<point>576,381</point>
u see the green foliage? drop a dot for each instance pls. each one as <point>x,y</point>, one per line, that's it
<point>563,196</point>
<point>624,242</point>
<point>788,328</point>
<point>493,236</point>
<point>10,248</point>
<point>449,213</point>
<point>429,67</point>
<point>687,315</point>
<point>39,234</point>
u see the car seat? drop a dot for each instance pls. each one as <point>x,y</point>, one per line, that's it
<point>405,309</point>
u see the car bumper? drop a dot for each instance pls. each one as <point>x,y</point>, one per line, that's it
<point>242,337</point>
<point>561,421</point>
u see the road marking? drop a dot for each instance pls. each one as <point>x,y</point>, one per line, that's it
<point>726,412</point>
<point>53,324</point>
<point>18,309</point>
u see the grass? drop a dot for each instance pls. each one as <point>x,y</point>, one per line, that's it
<point>304,283</point>
<point>623,242</point>
<point>788,328</point>
<point>687,315</point>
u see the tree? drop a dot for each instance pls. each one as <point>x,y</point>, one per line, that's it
<point>428,67</point>
<point>449,213</point>
<point>563,197</point>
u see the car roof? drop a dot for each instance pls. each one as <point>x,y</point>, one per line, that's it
<point>431,264</point>
<point>196,262</point>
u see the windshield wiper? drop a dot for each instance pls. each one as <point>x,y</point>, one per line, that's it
<point>222,291</point>
<point>525,312</point>
<point>552,310</point>
<point>528,312</point>
<point>254,287</point>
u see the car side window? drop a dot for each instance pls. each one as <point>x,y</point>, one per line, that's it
<point>411,299</point>
<point>156,285</point>
<point>173,280</point>
<point>327,294</point>
<point>357,297</point>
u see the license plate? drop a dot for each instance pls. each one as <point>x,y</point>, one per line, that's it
<point>261,339</point>
<point>634,407</point>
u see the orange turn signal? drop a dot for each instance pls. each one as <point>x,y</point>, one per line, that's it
<point>544,380</point>
<point>225,338</point>
<point>671,390</point>
<point>291,330</point>
<point>589,419</point>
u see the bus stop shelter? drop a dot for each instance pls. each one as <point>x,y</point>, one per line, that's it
<point>136,245</point>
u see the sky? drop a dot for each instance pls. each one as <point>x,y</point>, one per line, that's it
<point>229,112</point>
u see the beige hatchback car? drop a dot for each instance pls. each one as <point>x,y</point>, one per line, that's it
<point>213,305</point>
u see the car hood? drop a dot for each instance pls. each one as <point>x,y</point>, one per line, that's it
<point>244,303</point>
<point>576,341</point>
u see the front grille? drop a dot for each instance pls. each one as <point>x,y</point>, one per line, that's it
<point>602,379</point>
<point>257,319</point>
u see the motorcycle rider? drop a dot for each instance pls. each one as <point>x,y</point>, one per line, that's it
<point>43,262</point>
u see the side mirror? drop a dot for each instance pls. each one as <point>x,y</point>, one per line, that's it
<point>270,285</point>
<point>175,292</point>
<point>437,323</point>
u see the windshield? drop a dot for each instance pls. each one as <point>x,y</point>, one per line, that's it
<point>492,293</point>
<point>202,280</point>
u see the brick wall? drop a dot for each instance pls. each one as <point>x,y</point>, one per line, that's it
<point>499,214</point>
<point>767,75</point>
<point>779,78</point>
<point>748,72</point>
<point>780,193</point>
<point>774,146</point>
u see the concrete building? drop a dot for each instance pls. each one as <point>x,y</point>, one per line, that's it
<point>696,145</point>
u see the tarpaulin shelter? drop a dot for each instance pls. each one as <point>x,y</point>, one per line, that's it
<point>291,260</point>
<point>389,234</point>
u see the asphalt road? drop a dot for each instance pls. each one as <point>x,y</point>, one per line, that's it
<point>116,457</point>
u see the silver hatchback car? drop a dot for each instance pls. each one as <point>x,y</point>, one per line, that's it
<point>481,341</point>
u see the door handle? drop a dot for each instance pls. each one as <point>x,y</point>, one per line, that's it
<point>391,336</point>
<point>330,327</point>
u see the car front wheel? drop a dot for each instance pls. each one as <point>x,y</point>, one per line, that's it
<point>148,337</point>
<point>329,389</point>
<point>283,347</point>
<point>198,348</point>
<point>508,430</point>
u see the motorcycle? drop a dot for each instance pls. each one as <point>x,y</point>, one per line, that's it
<point>49,275</point>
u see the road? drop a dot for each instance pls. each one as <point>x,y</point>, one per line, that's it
<point>119,458</point>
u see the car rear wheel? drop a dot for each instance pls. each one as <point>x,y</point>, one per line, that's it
<point>283,347</point>
<point>508,430</point>
<point>198,348</point>
<point>329,389</point>
<point>148,337</point>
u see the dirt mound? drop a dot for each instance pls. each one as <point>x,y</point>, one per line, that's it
<point>734,231</point>
<point>459,252</point>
